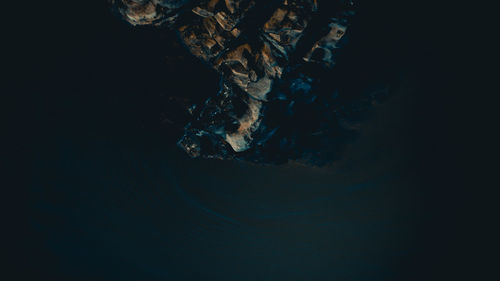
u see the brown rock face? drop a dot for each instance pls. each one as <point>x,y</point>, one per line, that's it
<point>148,12</point>
<point>250,43</point>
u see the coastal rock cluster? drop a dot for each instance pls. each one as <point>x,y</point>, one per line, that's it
<point>272,57</point>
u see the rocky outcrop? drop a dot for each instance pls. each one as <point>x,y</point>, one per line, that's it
<point>265,52</point>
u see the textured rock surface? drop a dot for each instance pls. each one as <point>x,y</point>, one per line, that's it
<point>149,12</point>
<point>272,57</point>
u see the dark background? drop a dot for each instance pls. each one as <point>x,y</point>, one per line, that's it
<point>98,190</point>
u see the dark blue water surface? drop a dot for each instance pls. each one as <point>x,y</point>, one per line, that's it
<point>125,211</point>
<point>110,196</point>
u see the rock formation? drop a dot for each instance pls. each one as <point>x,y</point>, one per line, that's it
<point>269,55</point>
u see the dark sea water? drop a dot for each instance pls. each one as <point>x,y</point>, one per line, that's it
<point>119,209</point>
<point>110,196</point>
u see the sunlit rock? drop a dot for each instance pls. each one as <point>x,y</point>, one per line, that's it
<point>268,88</point>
